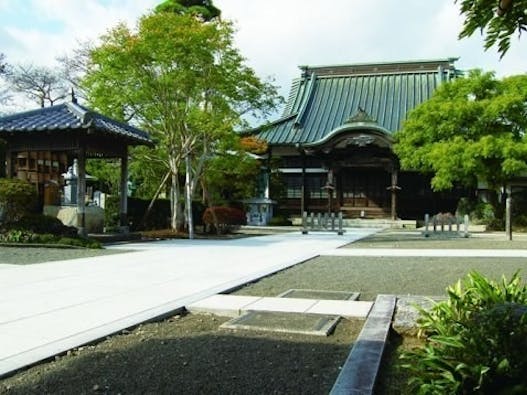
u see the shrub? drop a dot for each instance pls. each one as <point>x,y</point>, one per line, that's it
<point>17,198</point>
<point>40,223</point>
<point>280,220</point>
<point>476,340</point>
<point>228,218</point>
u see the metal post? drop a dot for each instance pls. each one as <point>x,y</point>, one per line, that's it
<point>427,223</point>
<point>465,225</point>
<point>332,221</point>
<point>312,221</point>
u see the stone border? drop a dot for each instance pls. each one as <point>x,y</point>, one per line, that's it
<point>359,373</point>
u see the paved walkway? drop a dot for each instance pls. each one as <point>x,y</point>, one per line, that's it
<point>49,308</point>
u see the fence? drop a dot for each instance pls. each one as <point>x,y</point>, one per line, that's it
<point>322,222</point>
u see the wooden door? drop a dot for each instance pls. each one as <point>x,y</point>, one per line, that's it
<point>364,188</point>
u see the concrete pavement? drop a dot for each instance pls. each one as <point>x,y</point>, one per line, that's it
<point>48,308</point>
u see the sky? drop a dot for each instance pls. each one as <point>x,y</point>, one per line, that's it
<point>276,36</point>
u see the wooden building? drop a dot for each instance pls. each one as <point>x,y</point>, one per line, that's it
<point>43,143</point>
<point>334,140</point>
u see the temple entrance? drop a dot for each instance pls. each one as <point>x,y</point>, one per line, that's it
<point>363,192</point>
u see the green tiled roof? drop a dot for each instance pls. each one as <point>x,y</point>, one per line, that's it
<point>325,97</point>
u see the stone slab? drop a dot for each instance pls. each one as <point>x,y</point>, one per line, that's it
<point>349,309</point>
<point>223,305</point>
<point>407,313</point>
<point>290,305</point>
<point>301,323</point>
<point>359,373</point>
<point>302,293</point>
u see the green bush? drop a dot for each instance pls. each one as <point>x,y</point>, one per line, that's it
<point>280,220</point>
<point>40,223</point>
<point>17,198</point>
<point>476,340</point>
<point>228,218</point>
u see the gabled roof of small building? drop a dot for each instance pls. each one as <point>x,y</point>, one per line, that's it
<point>324,98</point>
<point>70,117</point>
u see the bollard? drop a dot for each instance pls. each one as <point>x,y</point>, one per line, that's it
<point>449,225</point>
<point>332,221</point>
<point>325,221</point>
<point>457,224</point>
<point>427,224</point>
<point>341,231</point>
<point>466,225</point>
<point>319,220</point>
<point>312,217</point>
<point>304,223</point>
<point>434,223</point>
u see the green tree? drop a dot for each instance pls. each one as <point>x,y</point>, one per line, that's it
<point>499,19</point>
<point>185,82</point>
<point>202,8</point>
<point>472,129</point>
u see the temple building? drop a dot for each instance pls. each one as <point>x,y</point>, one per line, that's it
<point>333,143</point>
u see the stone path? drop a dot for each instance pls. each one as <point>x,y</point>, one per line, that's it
<point>48,308</point>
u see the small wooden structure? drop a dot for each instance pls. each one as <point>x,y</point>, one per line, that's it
<point>41,143</point>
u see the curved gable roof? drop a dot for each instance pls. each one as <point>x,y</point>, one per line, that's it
<point>70,117</point>
<point>324,97</point>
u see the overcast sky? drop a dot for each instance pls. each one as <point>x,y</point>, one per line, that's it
<point>274,35</point>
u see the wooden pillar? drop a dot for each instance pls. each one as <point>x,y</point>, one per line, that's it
<point>123,193</point>
<point>81,191</point>
<point>508,214</point>
<point>394,189</point>
<point>9,164</point>
<point>303,187</point>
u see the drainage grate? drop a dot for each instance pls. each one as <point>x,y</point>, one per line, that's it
<point>302,323</point>
<point>319,294</point>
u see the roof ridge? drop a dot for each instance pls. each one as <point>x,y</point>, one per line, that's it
<point>31,112</point>
<point>84,115</point>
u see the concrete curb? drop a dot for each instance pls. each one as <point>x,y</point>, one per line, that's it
<point>359,373</point>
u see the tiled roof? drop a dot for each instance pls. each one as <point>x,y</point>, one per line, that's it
<point>69,117</point>
<point>325,97</point>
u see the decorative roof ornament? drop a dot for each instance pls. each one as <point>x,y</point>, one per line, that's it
<point>361,116</point>
<point>362,140</point>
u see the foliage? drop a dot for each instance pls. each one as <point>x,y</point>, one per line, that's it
<point>471,129</point>
<point>223,219</point>
<point>182,80</point>
<point>38,83</point>
<point>476,340</point>
<point>107,172</point>
<point>254,145</point>
<point>202,8</point>
<point>111,211</point>
<point>40,223</point>
<point>17,198</point>
<point>280,220</point>
<point>500,19</point>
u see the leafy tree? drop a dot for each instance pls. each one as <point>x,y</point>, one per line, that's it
<point>472,129</point>
<point>202,8</point>
<point>500,19</point>
<point>40,84</point>
<point>182,80</point>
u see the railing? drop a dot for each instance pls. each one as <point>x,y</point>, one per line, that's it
<point>322,222</point>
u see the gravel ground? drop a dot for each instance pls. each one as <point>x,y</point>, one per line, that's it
<point>405,239</point>
<point>30,255</point>
<point>389,275</point>
<point>190,355</point>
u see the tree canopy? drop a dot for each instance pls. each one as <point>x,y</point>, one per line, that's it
<point>472,129</point>
<point>499,19</point>
<point>182,80</point>
<point>202,8</point>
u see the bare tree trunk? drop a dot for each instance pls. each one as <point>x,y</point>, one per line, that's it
<point>206,195</point>
<point>154,198</point>
<point>188,197</point>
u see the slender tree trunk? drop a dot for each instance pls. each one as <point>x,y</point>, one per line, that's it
<point>188,193</point>
<point>154,198</point>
